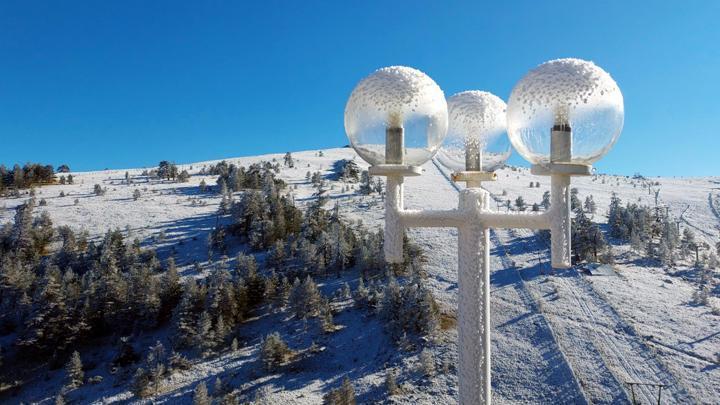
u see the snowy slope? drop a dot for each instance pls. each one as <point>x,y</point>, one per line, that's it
<point>562,338</point>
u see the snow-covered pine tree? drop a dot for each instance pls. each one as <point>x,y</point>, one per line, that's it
<point>274,351</point>
<point>200,395</point>
<point>305,298</point>
<point>185,315</point>
<point>288,160</point>
<point>589,205</point>
<point>204,334</point>
<point>575,203</point>
<point>74,370</point>
<point>391,382</point>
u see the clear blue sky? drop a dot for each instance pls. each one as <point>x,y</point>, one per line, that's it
<point>119,84</point>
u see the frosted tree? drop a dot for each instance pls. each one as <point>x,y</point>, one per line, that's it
<point>48,327</point>
<point>427,363</point>
<point>98,190</point>
<point>361,294</point>
<point>74,370</point>
<point>22,231</point>
<point>391,382</point>
<point>575,203</point>
<point>204,334</point>
<point>288,160</point>
<point>589,205</point>
<point>344,395</point>
<point>636,241</point>
<point>305,298</point>
<point>184,317</point>
<point>200,395</point>
<point>366,186</point>
<point>274,351</point>
<point>520,204</point>
<point>277,255</point>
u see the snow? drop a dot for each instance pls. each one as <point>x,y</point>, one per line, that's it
<point>560,337</point>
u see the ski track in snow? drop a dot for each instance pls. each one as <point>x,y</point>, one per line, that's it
<point>622,350</point>
<point>713,208</point>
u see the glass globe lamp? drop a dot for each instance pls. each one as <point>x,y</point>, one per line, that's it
<point>565,111</point>
<point>397,116</point>
<point>476,139</point>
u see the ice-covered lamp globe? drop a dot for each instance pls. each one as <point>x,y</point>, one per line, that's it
<point>396,116</point>
<point>476,139</point>
<point>565,111</point>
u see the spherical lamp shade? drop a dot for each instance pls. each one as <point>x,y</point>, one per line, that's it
<point>569,96</point>
<point>397,115</point>
<point>476,139</point>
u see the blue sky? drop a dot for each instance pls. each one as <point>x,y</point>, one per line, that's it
<point>102,84</point>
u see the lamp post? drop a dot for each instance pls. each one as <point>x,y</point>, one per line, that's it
<point>562,116</point>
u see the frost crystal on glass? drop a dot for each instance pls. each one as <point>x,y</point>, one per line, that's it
<point>396,96</point>
<point>570,92</point>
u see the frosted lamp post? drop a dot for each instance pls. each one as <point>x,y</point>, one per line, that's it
<point>562,116</point>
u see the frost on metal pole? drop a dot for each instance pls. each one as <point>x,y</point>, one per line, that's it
<point>562,116</point>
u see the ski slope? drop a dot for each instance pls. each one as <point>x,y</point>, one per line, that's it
<point>561,337</point>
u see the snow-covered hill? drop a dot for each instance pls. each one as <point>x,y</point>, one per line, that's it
<point>562,337</point>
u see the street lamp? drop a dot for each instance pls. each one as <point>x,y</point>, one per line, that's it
<point>562,116</point>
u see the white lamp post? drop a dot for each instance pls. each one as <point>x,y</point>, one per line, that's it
<point>562,116</point>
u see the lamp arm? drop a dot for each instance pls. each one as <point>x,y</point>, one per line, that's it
<point>493,219</point>
<point>432,218</point>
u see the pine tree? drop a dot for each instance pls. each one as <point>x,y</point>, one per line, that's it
<point>74,369</point>
<point>98,190</point>
<point>344,395</point>
<point>200,395</point>
<point>218,387</point>
<point>365,183</point>
<point>589,204</point>
<point>520,204</point>
<point>575,203</point>
<point>184,317</point>
<point>141,383</point>
<point>274,351</point>
<point>136,194</point>
<point>204,334</point>
<point>305,298</point>
<point>48,327</point>
<point>183,177</point>
<point>288,160</point>
<point>391,383</point>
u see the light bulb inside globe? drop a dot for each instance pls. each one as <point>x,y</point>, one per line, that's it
<point>476,140</point>
<point>396,116</point>
<point>565,111</point>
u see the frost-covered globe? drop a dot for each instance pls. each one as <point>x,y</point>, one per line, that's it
<point>392,97</point>
<point>570,92</point>
<point>476,130</point>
